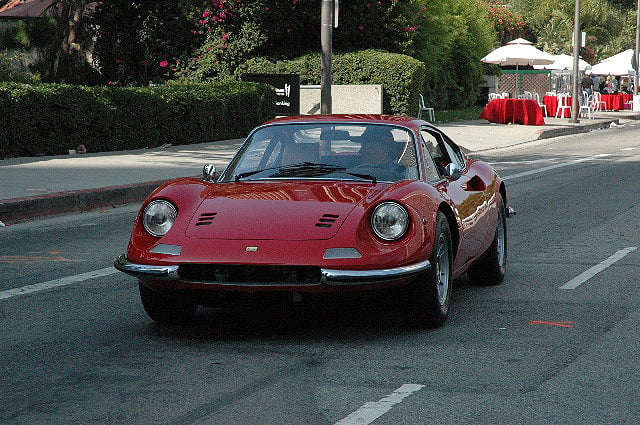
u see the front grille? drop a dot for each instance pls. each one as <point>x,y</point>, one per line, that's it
<point>248,275</point>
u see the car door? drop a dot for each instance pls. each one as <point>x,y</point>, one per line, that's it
<point>467,195</point>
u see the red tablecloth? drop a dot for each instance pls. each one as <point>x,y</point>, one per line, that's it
<point>518,111</point>
<point>615,102</point>
<point>551,102</point>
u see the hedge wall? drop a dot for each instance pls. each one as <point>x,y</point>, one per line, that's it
<point>402,77</point>
<point>50,119</point>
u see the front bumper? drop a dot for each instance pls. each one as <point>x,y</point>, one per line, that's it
<point>330,277</point>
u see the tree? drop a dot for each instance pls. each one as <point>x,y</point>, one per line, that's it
<point>65,53</point>
<point>137,42</point>
<point>507,23</point>
<point>609,25</point>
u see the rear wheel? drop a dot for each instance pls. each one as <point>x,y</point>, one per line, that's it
<point>428,297</point>
<point>491,269</point>
<point>163,309</point>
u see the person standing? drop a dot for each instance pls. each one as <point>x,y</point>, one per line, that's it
<point>595,80</point>
<point>587,85</point>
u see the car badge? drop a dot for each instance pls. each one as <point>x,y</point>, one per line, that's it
<point>251,249</point>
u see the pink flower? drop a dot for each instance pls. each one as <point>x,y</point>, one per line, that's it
<point>205,14</point>
<point>164,64</point>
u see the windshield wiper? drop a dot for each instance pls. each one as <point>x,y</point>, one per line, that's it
<point>237,177</point>
<point>305,169</point>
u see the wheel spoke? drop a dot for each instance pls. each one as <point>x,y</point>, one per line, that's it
<point>442,270</point>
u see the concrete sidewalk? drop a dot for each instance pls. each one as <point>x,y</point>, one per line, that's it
<point>38,187</point>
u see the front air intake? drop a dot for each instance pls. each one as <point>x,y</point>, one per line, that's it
<point>206,219</point>
<point>327,220</point>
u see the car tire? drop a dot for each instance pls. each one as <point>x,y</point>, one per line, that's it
<point>427,298</point>
<point>165,310</point>
<point>491,269</point>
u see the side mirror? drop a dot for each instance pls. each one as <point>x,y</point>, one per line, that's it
<point>209,173</point>
<point>453,171</point>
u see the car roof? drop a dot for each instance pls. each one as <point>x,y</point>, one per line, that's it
<point>352,118</point>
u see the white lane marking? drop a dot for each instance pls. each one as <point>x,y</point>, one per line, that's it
<point>582,278</point>
<point>372,410</point>
<point>9,293</point>
<point>553,167</point>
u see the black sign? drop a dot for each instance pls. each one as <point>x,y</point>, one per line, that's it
<point>287,90</point>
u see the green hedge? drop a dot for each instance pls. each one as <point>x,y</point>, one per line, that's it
<point>50,119</point>
<point>402,77</point>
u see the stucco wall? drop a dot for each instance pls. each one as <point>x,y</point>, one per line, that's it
<point>345,99</point>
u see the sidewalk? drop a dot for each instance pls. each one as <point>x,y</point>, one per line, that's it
<point>38,187</point>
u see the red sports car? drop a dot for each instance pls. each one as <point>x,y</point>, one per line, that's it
<point>324,203</point>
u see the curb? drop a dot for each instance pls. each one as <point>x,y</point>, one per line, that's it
<point>23,209</point>
<point>565,131</point>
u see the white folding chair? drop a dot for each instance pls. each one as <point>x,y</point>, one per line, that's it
<point>563,103</point>
<point>542,106</point>
<point>430,111</point>
<point>586,102</point>
<point>598,104</point>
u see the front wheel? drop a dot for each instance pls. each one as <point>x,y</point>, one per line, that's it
<point>163,309</point>
<point>427,299</point>
<point>491,269</point>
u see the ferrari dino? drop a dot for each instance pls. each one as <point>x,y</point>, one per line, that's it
<point>324,203</point>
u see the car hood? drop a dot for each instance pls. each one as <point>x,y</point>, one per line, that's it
<point>277,210</point>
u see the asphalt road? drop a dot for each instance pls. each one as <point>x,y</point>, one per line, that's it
<point>557,342</point>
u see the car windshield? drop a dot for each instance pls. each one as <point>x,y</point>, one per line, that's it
<point>335,151</point>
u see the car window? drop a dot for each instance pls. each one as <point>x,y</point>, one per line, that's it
<point>442,150</point>
<point>386,152</point>
<point>430,166</point>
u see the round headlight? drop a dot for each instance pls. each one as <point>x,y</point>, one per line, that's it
<point>158,217</point>
<point>390,221</point>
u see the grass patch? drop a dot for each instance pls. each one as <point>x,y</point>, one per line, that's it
<point>453,115</point>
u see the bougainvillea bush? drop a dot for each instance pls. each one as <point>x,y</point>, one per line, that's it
<point>507,24</point>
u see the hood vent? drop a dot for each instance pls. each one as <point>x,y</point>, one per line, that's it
<point>206,219</point>
<point>327,220</point>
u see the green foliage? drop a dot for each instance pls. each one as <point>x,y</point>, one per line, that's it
<point>609,28</point>
<point>400,76</point>
<point>507,24</point>
<point>13,67</point>
<point>139,42</point>
<point>119,118</point>
<point>35,32</point>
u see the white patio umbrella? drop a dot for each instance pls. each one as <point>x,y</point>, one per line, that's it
<point>564,63</point>
<point>518,52</point>
<point>619,64</point>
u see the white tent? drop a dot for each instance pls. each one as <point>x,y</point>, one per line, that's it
<point>518,52</point>
<point>564,63</point>
<point>619,64</point>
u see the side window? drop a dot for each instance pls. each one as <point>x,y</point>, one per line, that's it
<point>453,153</point>
<point>428,143</point>
<point>442,150</point>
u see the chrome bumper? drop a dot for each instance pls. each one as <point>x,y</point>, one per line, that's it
<point>330,277</point>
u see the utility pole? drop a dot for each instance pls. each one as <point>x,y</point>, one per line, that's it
<point>577,42</point>
<point>326,40</point>
<point>636,52</point>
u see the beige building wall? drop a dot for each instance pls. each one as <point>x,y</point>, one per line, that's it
<point>345,99</point>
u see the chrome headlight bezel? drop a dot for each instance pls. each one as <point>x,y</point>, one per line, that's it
<point>390,221</point>
<point>158,217</point>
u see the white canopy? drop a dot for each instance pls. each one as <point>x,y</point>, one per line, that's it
<point>518,52</point>
<point>619,64</point>
<point>564,63</point>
